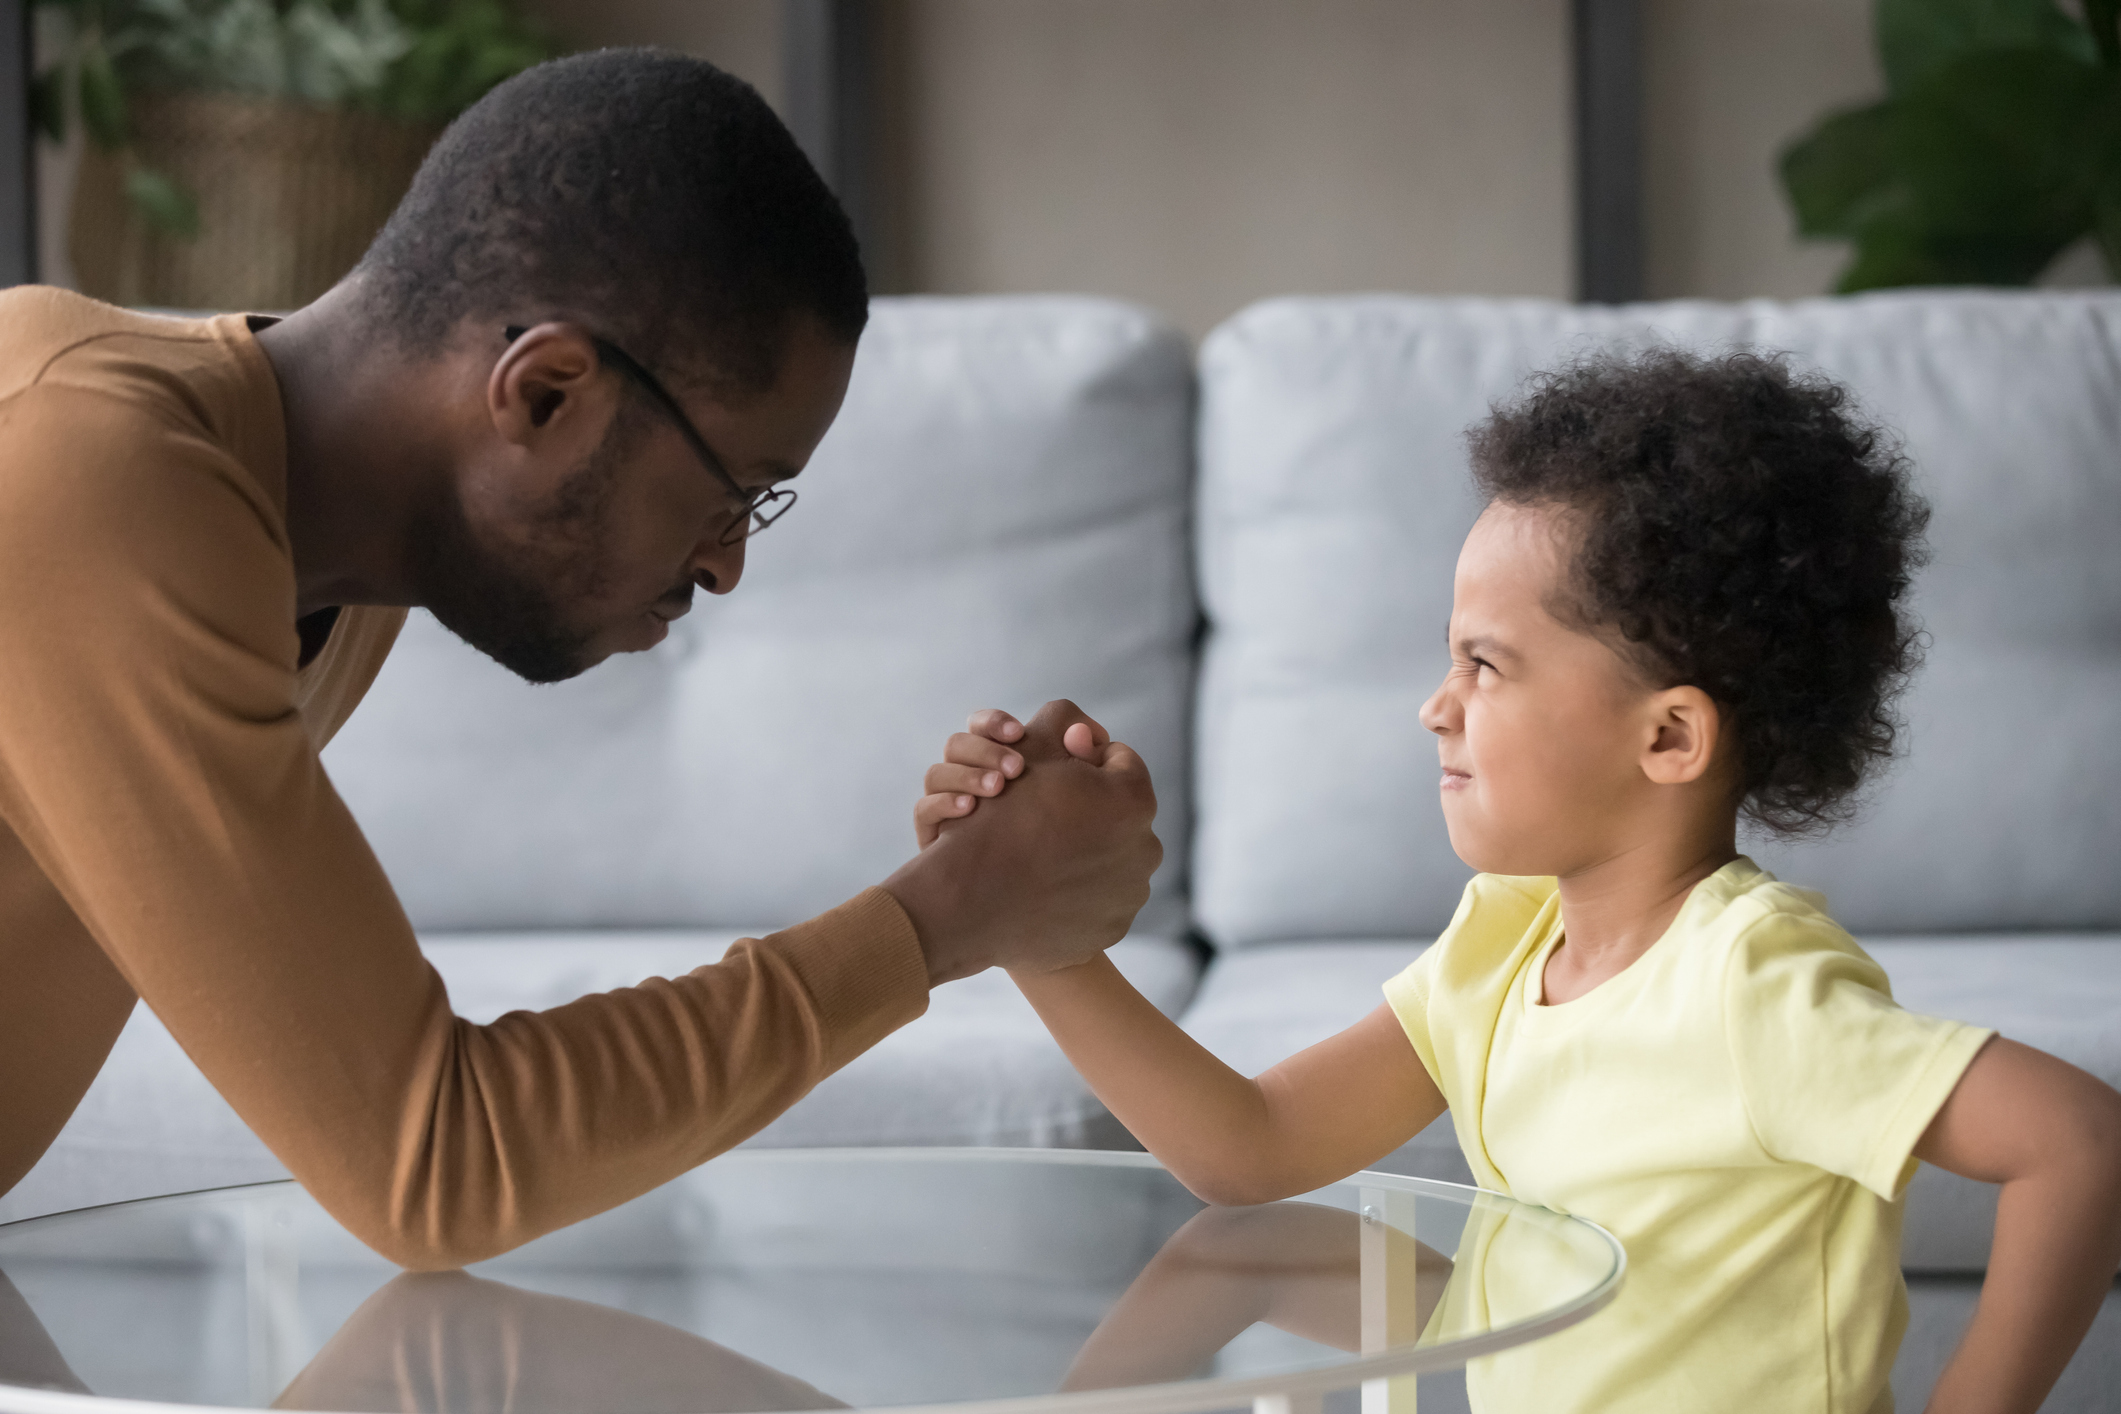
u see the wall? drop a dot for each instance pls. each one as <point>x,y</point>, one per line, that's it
<point>743,36</point>
<point>1727,83</point>
<point>1200,154</point>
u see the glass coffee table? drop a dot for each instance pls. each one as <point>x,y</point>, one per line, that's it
<point>978,1280</point>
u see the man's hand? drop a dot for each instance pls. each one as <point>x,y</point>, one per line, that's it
<point>1046,879</point>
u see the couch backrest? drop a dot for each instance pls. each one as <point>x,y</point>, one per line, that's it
<point>1333,495</point>
<point>1000,516</point>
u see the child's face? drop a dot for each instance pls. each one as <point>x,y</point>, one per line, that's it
<point>1547,736</point>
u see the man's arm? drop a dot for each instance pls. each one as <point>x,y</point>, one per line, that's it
<point>154,765</point>
<point>2051,1135</point>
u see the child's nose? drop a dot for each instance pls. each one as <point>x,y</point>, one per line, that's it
<point>1440,713</point>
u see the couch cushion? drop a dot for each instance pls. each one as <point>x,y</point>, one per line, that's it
<point>1258,1006</point>
<point>978,1068</point>
<point>1334,494</point>
<point>1000,516</point>
<point>2060,994</point>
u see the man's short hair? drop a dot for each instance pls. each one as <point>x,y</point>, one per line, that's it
<point>646,194</point>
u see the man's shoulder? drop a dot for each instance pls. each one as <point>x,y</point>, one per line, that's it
<point>199,377</point>
<point>123,503</point>
<point>48,334</point>
<point>107,416</point>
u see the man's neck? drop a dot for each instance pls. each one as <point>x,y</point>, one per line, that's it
<point>1614,911</point>
<point>367,442</point>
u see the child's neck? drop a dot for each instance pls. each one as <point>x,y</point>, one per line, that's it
<point>1614,911</point>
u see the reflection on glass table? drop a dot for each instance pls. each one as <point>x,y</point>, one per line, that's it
<point>802,1280</point>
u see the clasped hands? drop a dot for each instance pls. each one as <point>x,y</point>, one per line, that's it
<point>1046,879</point>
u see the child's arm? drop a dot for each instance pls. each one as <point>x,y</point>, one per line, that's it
<point>2051,1135</point>
<point>1319,1116</point>
<point>1295,1266</point>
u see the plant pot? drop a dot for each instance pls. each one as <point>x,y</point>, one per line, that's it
<point>289,197</point>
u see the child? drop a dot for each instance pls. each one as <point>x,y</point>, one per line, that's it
<point>1680,605</point>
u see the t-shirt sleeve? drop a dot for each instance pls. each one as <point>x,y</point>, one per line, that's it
<point>1408,995</point>
<point>154,764</point>
<point>1412,994</point>
<point>1834,1073</point>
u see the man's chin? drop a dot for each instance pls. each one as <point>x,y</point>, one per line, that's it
<point>540,658</point>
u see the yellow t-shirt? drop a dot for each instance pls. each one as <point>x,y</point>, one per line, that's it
<point>1739,1108</point>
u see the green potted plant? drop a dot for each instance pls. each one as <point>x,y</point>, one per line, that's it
<point>242,153</point>
<point>1996,147</point>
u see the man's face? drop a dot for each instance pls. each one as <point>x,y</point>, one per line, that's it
<point>591,538</point>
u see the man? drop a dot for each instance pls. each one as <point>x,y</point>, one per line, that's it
<point>616,310</point>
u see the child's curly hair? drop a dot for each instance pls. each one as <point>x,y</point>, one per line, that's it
<point>1744,532</point>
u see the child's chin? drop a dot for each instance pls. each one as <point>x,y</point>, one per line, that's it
<point>1489,857</point>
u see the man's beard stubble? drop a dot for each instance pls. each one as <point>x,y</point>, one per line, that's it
<point>512,608</point>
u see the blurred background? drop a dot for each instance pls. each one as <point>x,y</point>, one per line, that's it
<point>1194,155</point>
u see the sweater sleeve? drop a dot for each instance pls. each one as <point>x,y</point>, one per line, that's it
<point>154,764</point>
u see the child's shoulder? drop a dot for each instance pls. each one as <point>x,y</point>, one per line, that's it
<point>1501,908</point>
<point>1499,916</point>
<point>1766,929</point>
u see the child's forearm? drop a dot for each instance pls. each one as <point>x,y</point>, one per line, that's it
<point>1209,1125</point>
<point>1318,1116</point>
<point>2051,1136</point>
<point>2044,1286</point>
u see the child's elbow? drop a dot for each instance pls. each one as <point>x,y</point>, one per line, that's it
<point>1234,1190</point>
<point>2100,1136</point>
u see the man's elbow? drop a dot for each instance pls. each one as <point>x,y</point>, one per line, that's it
<point>429,1241</point>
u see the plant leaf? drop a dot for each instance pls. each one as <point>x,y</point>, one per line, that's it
<point>168,207</point>
<point>47,103</point>
<point>2103,18</point>
<point>2106,201</point>
<point>1841,171</point>
<point>1918,37</point>
<point>1893,253</point>
<point>461,49</point>
<point>2003,145</point>
<point>102,98</point>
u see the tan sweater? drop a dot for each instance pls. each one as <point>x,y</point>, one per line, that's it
<point>168,833</point>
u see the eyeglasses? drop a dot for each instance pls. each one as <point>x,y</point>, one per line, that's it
<point>760,508</point>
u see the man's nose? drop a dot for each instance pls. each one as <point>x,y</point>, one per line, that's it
<point>716,567</point>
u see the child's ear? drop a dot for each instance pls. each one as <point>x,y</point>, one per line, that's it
<point>1684,730</point>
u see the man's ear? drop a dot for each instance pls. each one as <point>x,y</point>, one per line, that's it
<point>547,382</point>
<point>1685,727</point>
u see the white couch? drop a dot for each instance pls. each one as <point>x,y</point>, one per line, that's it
<point>1243,567</point>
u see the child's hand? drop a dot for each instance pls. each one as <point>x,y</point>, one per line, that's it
<point>977,762</point>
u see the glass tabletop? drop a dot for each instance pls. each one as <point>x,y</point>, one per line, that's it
<point>800,1280</point>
